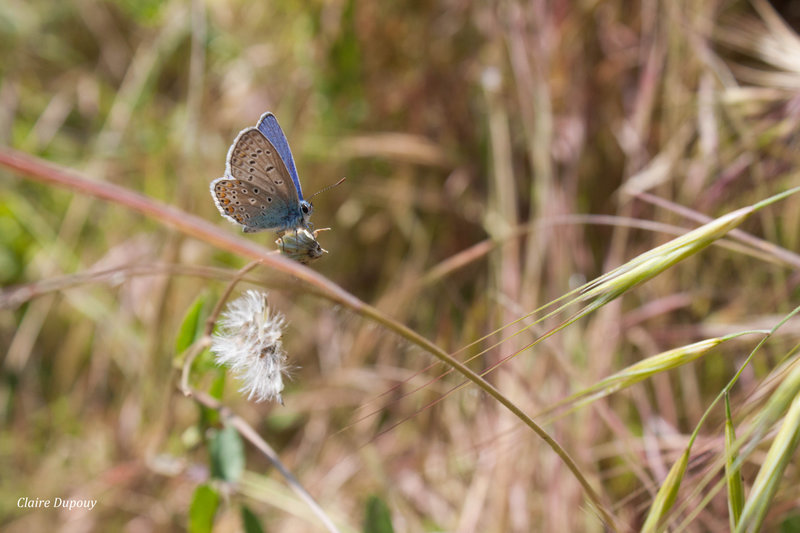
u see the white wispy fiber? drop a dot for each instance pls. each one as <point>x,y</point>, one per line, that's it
<point>248,341</point>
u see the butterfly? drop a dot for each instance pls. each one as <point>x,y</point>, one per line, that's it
<point>260,189</point>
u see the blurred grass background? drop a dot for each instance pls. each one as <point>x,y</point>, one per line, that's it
<point>455,123</point>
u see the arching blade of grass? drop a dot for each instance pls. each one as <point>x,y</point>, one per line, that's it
<point>194,226</point>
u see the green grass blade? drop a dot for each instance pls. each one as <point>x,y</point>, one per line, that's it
<point>667,494</point>
<point>733,474</point>
<point>769,476</point>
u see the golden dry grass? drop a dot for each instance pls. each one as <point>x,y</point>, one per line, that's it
<point>498,156</point>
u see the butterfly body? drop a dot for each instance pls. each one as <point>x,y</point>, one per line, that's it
<point>261,189</point>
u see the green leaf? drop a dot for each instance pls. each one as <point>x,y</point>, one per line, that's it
<point>142,11</point>
<point>210,417</point>
<point>218,385</point>
<point>790,524</point>
<point>227,455</point>
<point>192,324</point>
<point>202,510</point>
<point>250,521</point>
<point>377,518</point>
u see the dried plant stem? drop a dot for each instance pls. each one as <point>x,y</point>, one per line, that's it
<point>770,251</point>
<point>212,319</point>
<point>49,173</point>
<point>191,225</point>
<point>203,343</point>
<point>606,288</point>
<point>250,434</point>
<point>487,387</point>
<point>196,348</point>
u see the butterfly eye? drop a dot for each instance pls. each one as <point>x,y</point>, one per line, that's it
<point>305,209</point>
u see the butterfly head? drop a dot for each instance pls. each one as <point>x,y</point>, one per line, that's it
<point>306,208</point>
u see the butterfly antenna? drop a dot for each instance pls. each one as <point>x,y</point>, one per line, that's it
<point>327,188</point>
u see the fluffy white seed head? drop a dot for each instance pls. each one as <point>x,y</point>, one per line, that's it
<point>248,341</point>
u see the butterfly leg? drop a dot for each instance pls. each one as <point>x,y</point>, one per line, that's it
<point>280,235</point>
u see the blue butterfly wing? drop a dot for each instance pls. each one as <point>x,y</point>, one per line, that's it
<point>257,191</point>
<point>268,125</point>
